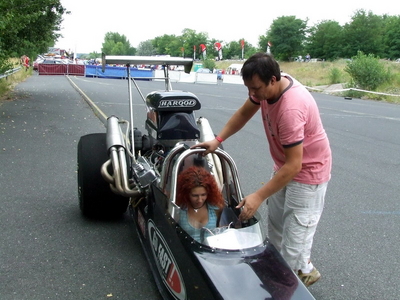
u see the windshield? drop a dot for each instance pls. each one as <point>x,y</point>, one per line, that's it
<point>229,233</point>
<point>231,238</point>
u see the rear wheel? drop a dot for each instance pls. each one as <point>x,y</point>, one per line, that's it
<point>95,196</point>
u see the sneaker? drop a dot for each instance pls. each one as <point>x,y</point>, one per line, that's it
<point>309,278</point>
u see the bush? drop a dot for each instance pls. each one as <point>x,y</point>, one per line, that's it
<point>335,75</point>
<point>7,84</point>
<point>5,63</point>
<point>366,71</point>
<point>209,64</point>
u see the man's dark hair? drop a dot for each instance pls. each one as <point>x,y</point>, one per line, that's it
<point>262,64</point>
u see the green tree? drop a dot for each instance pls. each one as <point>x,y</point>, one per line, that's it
<point>167,45</point>
<point>190,39</point>
<point>325,40</point>
<point>249,50</point>
<point>182,45</point>
<point>161,43</point>
<point>263,43</point>
<point>287,35</point>
<point>213,53</point>
<point>92,55</point>
<point>190,42</point>
<point>28,27</point>
<point>364,33</point>
<point>391,37</point>
<point>176,47</point>
<point>116,44</point>
<point>145,48</point>
<point>233,50</point>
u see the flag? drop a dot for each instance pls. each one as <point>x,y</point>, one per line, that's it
<point>217,46</point>
<point>203,47</point>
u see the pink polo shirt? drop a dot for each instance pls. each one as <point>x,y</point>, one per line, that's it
<point>293,119</point>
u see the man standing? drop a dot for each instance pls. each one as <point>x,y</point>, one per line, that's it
<point>26,62</point>
<point>302,159</point>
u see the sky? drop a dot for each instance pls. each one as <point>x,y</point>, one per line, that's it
<point>84,29</point>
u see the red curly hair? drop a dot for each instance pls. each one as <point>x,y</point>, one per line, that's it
<point>194,177</point>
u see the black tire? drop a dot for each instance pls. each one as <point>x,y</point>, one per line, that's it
<point>95,196</point>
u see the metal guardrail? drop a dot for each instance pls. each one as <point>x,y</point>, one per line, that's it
<point>10,72</point>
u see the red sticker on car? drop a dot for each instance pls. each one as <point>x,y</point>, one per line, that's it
<point>166,264</point>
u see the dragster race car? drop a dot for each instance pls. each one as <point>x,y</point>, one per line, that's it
<point>123,169</point>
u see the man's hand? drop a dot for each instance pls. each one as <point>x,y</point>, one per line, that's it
<point>250,205</point>
<point>210,146</point>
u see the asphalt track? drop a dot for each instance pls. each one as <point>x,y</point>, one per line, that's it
<point>49,251</point>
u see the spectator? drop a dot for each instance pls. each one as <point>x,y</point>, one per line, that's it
<point>25,62</point>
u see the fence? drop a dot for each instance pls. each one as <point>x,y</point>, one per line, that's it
<point>90,71</point>
<point>10,72</point>
<point>116,72</point>
<point>120,72</point>
<point>61,69</point>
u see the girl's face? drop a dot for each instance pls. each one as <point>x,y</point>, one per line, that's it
<point>198,196</point>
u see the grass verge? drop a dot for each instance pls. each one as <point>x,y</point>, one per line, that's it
<point>322,73</point>
<point>8,83</point>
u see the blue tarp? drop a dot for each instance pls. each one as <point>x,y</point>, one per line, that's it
<point>115,72</point>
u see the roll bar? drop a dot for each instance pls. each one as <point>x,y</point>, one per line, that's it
<point>224,156</point>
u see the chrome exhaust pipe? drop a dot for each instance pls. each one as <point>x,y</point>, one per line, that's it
<point>114,136</point>
<point>116,149</point>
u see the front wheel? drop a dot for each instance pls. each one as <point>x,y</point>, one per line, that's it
<point>95,196</point>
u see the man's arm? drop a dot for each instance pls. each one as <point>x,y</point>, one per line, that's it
<point>239,119</point>
<point>292,166</point>
<point>234,124</point>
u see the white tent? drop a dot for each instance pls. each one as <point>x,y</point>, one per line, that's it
<point>234,69</point>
